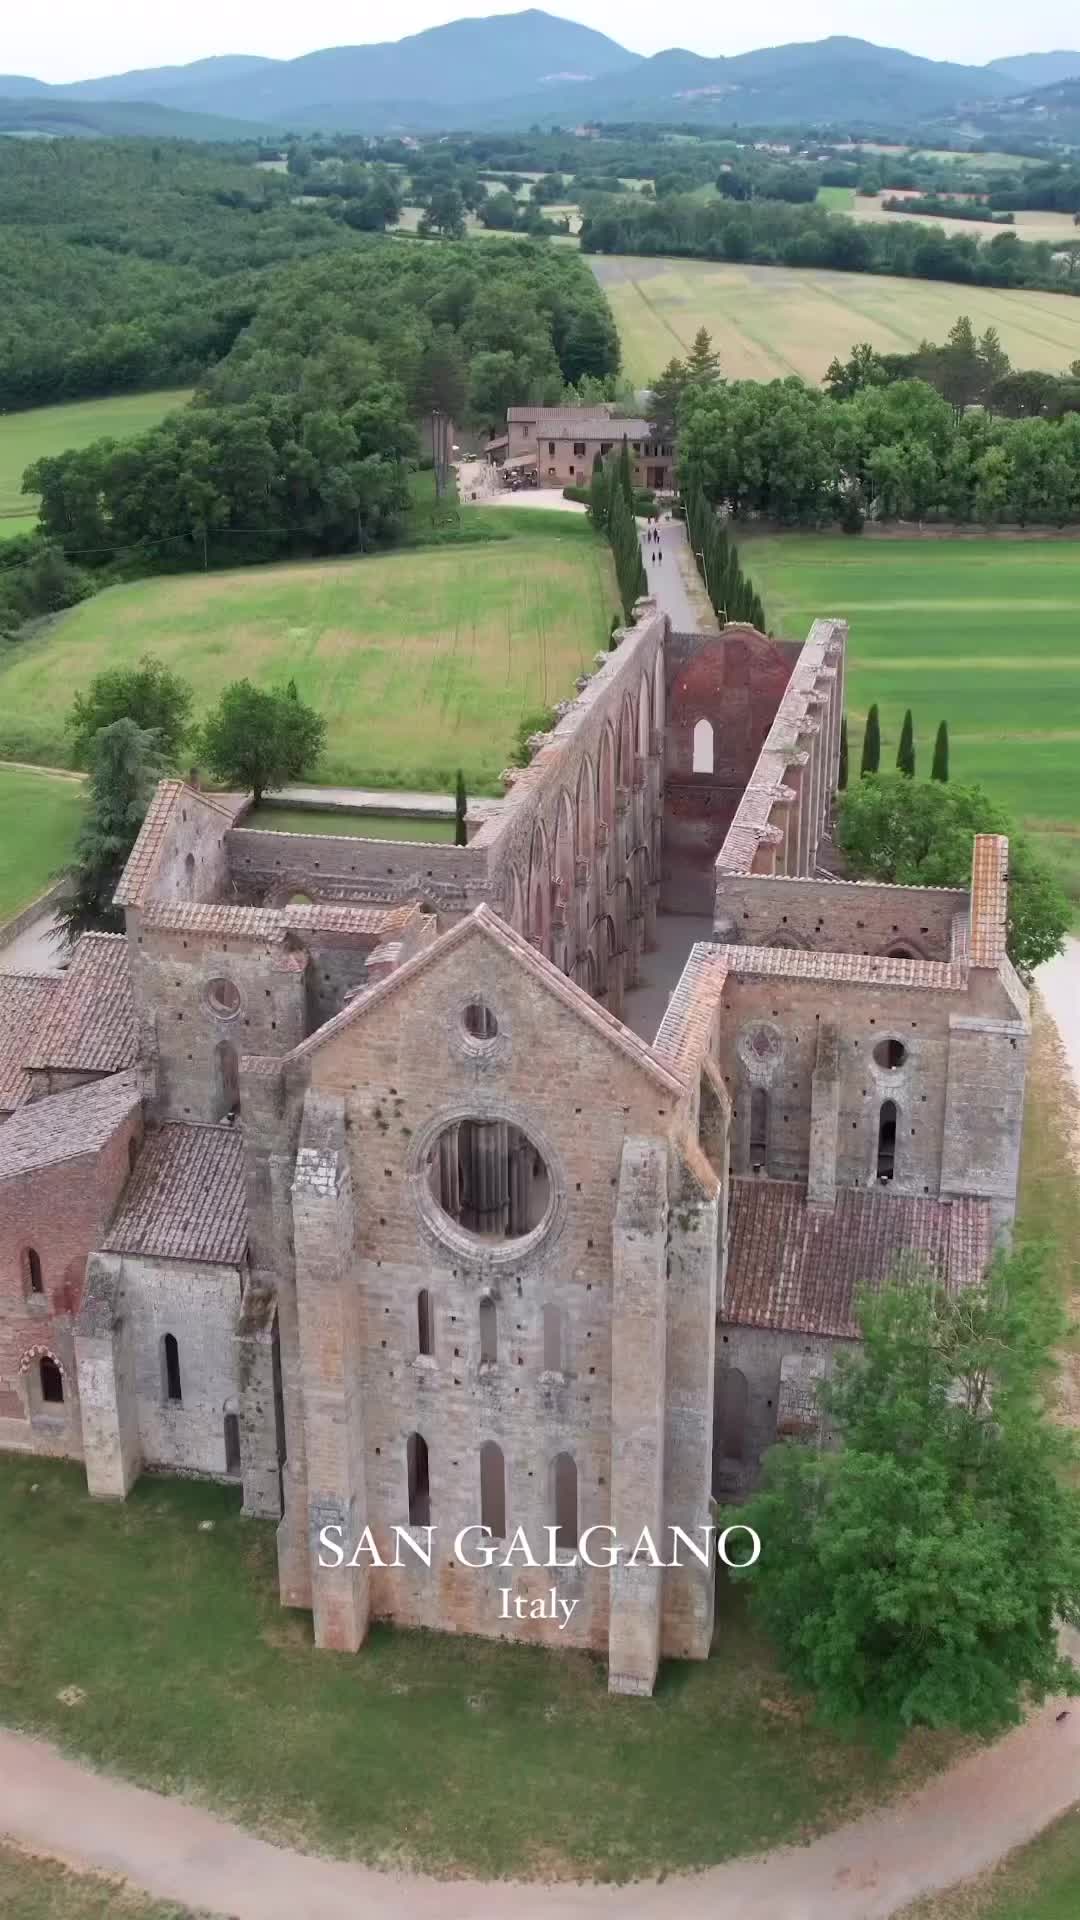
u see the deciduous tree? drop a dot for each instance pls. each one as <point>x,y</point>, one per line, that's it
<point>258,740</point>
<point>151,695</point>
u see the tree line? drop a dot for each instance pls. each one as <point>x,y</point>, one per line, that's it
<point>887,449</point>
<point>773,233</point>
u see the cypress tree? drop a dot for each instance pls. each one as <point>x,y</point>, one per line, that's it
<point>841,777</point>
<point>871,746</point>
<point>461,807</point>
<point>626,478</point>
<point>905,753</point>
<point>612,631</point>
<point>940,768</point>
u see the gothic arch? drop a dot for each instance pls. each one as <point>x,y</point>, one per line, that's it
<point>586,809</point>
<point>565,850</point>
<point>658,704</point>
<point>627,734</point>
<point>516,902</point>
<point>539,906</point>
<point>605,778</point>
<point>903,947</point>
<point>644,717</point>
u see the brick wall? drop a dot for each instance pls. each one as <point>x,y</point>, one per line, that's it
<point>837,916</point>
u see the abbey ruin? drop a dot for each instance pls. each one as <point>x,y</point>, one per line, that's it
<point>526,1183</point>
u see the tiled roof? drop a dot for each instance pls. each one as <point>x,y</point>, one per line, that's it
<point>989,899</point>
<point>90,1025</point>
<point>798,1268</point>
<point>603,430</point>
<point>25,999</point>
<point>555,416</point>
<point>683,1037</point>
<point>143,858</point>
<point>330,917</point>
<point>868,969</point>
<point>273,923</point>
<point>185,1199</point>
<point>64,1126</point>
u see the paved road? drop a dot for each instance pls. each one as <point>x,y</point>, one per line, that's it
<point>35,950</point>
<point>687,607</point>
<point>959,1824</point>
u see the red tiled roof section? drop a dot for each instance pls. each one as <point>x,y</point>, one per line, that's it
<point>143,857</point>
<point>67,1126</point>
<point>272,923</point>
<point>90,1024</point>
<point>25,999</point>
<point>797,1268</point>
<point>185,1199</point>
<point>989,899</point>
<point>882,970</point>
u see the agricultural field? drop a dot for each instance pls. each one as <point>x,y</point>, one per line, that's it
<point>1030,225</point>
<point>981,633</point>
<point>422,661</point>
<point>39,818</point>
<point>768,322</point>
<point>41,431</point>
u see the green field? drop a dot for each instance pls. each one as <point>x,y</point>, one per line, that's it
<point>981,633</point>
<point>39,818</point>
<point>1038,1882</point>
<point>837,199</point>
<point>25,437</point>
<point>768,322</point>
<point>422,662</point>
<point>368,826</point>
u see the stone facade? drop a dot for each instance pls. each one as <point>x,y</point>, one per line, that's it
<point>431,1228</point>
<point>560,445</point>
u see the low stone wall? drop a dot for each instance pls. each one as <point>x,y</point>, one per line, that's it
<point>837,916</point>
<point>266,868</point>
<point>51,897</point>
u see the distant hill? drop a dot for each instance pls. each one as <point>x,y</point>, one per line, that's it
<point>512,69</point>
<point>55,115</point>
<point>1038,69</point>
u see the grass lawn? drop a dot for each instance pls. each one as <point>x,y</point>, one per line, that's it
<point>449,1753</point>
<point>25,437</point>
<point>42,1890</point>
<point>20,523</point>
<point>1038,1882</point>
<point>837,199</point>
<point>39,818</point>
<point>368,826</point>
<point>768,322</point>
<point>422,661</point>
<point>981,633</point>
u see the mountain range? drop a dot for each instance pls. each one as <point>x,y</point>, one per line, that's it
<point>511,69</point>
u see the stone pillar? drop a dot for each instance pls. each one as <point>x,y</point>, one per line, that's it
<point>638,1399</point>
<point>449,1172</point>
<point>328,1307</point>
<point>105,1370</point>
<point>694,1255</point>
<point>260,1440</point>
<point>824,1119</point>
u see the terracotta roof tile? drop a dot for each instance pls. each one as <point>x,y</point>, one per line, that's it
<point>271,924</point>
<point>798,1268</point>
<point>989,899</point>
<point>64,1126</point>
<point>143,857</point>
<point>868,969</point>
<point>552,416</point>
<point>25,999</point>
<point>185,1199</point>
<point>90,1025</point>
<point>683,1037</point>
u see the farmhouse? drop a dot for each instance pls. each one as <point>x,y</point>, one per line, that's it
<point>525,1184</point>
<point>560,444</point>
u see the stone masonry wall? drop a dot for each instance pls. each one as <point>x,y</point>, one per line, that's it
<point>837,916</point>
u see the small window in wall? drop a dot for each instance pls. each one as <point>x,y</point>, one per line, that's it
<point>489,1332</point>
<point>479,1021</point>
<point>232,1444</point>
<point>566,1503</point>
<point>553,1356</point>
<point>416,1454</point>
<point>886,1147</point>
<point>133,1153</point>
<point>189,874</point>
<point>228,1076</point>
<point>732,1396</point>
<point>703,747</point>
<point>52,1382</point>
<point>493,1489</point>
<point>35,1281</point>
<point>424,1341</point>
<point>759,1128</point>
<point>222,996</point>
<point>890,1054</point>
<point>171,1358</point>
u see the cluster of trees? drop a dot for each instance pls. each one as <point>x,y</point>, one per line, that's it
<point>968,371</point>
<point>870,761</point>
<point>611,510</point>
<point>132,725</point>
<point>771,233</point>
<point>918,833</point>
<point>918,1574</point>
<point>301,437</point>
<point>732,595</point>
<point>901,450</point>
<point>942,206</point>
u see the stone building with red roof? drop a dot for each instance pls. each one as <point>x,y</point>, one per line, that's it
<point>525,1185</point>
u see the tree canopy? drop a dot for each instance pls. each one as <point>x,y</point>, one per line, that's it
<point>151,695</point>
<point>124,767</point>
<point>918,833</point>
<point>259,740</point>
<point>918,1574</point>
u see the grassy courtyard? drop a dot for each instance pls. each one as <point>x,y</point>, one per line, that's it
<point>981,633</point>
<point>767,322</point>
<point>367,826</point>
<point>33,1889</point>
<point>39,818</point>
<point>42,431</point>
<point>422,661</point>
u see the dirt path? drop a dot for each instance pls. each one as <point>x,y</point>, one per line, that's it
<point>957,1825</point>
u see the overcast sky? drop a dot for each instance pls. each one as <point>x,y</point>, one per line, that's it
<point>69,40</point>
